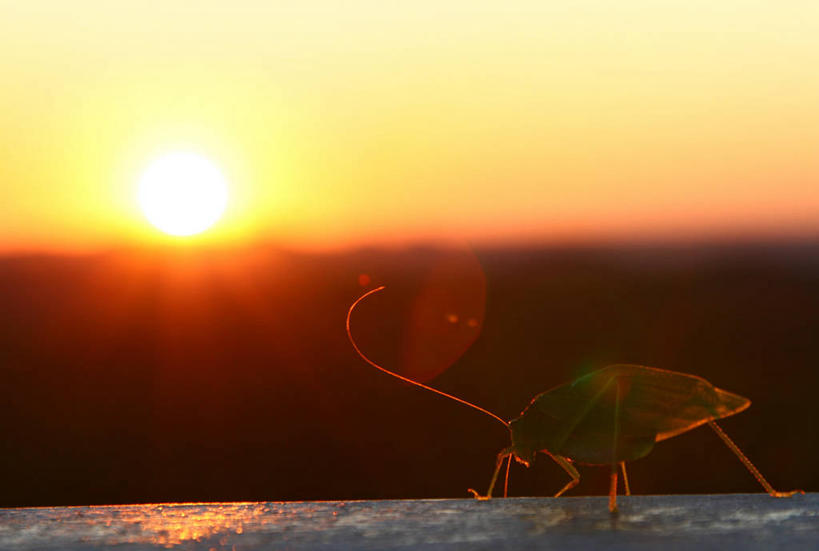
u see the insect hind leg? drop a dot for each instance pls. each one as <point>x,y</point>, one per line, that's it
<point>614,455</point>
<point>625,478</point>
<point>750,466</point>
<point>613,489</point>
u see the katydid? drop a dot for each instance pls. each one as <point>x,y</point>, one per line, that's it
<point>606,418</point>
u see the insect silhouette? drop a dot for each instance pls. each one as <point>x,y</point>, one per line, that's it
<point>606,418</point>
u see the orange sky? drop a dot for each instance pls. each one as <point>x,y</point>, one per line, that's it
<point>380,121</point>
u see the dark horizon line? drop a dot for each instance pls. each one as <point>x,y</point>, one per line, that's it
<point>693,243</point>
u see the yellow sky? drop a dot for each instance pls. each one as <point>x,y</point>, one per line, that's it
<point>354,122</point>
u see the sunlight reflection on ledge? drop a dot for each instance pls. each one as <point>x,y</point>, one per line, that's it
<point>164,525</point>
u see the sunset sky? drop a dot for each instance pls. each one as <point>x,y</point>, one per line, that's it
<point>339,124</point>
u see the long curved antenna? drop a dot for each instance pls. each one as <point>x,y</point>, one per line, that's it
<point>396,375</point>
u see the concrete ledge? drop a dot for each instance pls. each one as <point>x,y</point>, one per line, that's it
<point>724,522</point>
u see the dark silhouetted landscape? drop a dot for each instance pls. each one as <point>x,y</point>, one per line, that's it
<point>172,375</point>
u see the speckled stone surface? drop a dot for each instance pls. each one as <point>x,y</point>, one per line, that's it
<point>723,522</point>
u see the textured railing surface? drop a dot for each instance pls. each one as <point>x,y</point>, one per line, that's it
<point>724,522</point>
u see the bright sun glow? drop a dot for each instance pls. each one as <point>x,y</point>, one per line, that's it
<point>182,193</point>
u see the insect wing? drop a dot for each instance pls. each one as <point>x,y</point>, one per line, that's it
<point>617,413</point>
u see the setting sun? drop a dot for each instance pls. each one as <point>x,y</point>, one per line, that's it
<point>182,193</point>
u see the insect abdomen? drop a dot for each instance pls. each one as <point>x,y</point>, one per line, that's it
<point>537,430</point>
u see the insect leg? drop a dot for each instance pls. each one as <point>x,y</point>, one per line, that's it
<point>613,489</point>
<point>506,479</point>
<point>750,466</point>
<point>501,456</point>
<point>625,477</point>
<point>569,468</point>
<point>615,440</point>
